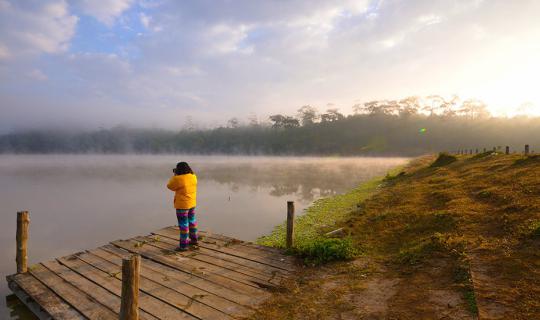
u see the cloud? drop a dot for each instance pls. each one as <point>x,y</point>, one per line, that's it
<point>106,11</point>
<point>43,27</point>
<point>214,59</point>
<point>37,74</point>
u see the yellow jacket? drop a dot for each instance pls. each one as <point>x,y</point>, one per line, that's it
<point>185,188</point>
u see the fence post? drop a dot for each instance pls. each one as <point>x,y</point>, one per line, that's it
<point>476,151</point>
<point>526,149</point>
<point>507,151</point>
<point>129,305</point>
<point>290,223</point>
<point>485,150</point>
<point>23,221</point>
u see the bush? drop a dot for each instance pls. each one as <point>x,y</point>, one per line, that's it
<point>443,159</point>
<point>322,250</point>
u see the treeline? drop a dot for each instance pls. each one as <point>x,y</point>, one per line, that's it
<point>406,127</point>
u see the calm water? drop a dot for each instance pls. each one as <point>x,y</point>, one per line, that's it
<point>78,202</point>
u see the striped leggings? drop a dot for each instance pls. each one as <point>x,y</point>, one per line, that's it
<point>188,226</point>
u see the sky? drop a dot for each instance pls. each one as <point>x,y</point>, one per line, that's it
<point>164,63</point>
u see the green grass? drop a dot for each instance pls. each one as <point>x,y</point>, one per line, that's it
<point>322,216</point>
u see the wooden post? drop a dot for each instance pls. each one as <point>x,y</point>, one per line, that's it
<point>526,149</point>
<point>507,151</point>
<point>23,221</point>
<point>290,223</point>
<point>129,306</point>
<point>484,150</point>
<point>476,151</point>
<point>494,149</point>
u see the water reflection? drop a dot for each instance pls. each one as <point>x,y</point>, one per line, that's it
<point>17,310</point>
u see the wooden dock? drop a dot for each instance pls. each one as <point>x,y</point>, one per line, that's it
<point>224,279</point>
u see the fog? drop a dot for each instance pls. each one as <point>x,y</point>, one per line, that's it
<point>79,202</point>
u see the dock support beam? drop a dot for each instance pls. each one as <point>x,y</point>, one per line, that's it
<point>129,307</point>
<point>23,221</point>
<point>290,223</point>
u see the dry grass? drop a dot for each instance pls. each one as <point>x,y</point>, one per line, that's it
<point>422,233</point>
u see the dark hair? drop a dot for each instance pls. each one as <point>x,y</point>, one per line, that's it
<point>182,168</point>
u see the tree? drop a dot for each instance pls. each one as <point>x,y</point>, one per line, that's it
<point>381,107</point>
<point>474,109</point>
<point>280,121</point>
<point>253,121</point>
<point>233,123</point>
<point>332,115</point>
<point>409,106</point>
<point>308,115</point>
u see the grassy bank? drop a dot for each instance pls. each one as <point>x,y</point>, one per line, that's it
<point>446,237</point>
<point>323,216</point>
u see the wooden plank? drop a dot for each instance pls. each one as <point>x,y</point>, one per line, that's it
<point>36,292</point>
<point>218,268</point>
<point>111,282</point>
<point>271,260</point>
<point>200,255</point>
<point>253,265</point>
<point>79,300</point>
<point>236,275</point>
<point>200,282</point>
<point>97,292</point>
<point>221,237</point>
<point>232,243</point>
<point>175,298</point>
<point>249,246</point>
<point>181,263</point>
<point>232,248</point>
<point>208,298</point>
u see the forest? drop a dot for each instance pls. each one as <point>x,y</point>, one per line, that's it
<point>407,127</point>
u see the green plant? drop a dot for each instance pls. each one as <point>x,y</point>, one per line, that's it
<point>322,250</point>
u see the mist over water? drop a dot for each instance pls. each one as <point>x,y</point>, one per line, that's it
<point>79,202</point>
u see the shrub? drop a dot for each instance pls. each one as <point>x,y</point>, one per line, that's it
<point>322,250</point>
<point>443,159</point>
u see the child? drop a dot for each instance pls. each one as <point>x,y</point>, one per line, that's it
<point>184,184</point>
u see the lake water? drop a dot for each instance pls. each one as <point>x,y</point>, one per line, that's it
<point>80,202</point>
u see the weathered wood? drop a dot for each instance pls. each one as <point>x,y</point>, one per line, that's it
<point>40,299</point>
<point>224,278</point>
<point>275,260</point>
<point>237,248</point>
<point>131,268</point>
<point>507,150</point>
<point>250,266</point>
<point>111,280</point>
<point>245,254</point>
<point>241,242</point>
<point>160,292</point>
<point>104,296</point>
<point>200,283</point>
<point>526,149</point>
<point>181,264</point>
<point>290,223</point>
<point>77,299</point>
<point>237,272</point>
<point>23,221</point>
<point>181,288</point>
